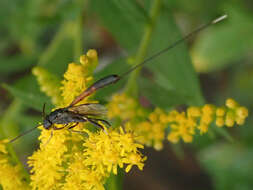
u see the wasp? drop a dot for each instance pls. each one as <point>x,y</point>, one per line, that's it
<point>73,114</point>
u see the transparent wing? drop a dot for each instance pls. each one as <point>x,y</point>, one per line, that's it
<point>89,109</point>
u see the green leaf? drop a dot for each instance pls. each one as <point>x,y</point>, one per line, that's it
<point>15,63</point>
<point>229,165</point>
<point>31,99</point>
<point>173,70</point>
<point>60,52</point>
<point>123,20</point>
<point>225,43</point>
<point>158,95</point>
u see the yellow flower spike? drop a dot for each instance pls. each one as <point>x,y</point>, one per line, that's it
<point>75,81</point>
<point>240,121</point>
<point>11,176</point>
<point>164,118</point>
<point>104,153</point>
<point>92,54</point>
<point>193,112</point>
<point>47,163</point>
<point>124,107</point>
<point>135,159</point>
<point>242,112</point>
<point>158,145</point>
<point>3,146</point>
<point>187,138</point>
<point>81,177</point>
<point>220,112</point>
<point>153,117</point>
<point>90,59</point>
<point>203,128</point>
<point>220,121</point>
<point>208,109</point>
<point>173,137</point>
<point>84,59</point>
<point>49,84</point>
<point>207,119</point>
<point>230,119</point>
<point>230,103</point>
<point>73,161</point>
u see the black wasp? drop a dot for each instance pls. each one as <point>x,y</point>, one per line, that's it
<point>74,114</point>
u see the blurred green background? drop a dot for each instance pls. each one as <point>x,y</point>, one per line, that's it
<point>210,67</point>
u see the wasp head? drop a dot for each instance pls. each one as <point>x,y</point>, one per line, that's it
<point>46,123</point>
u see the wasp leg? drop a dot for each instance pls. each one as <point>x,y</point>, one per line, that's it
<point>55,128</point>
<point>102,120</point>
<point>80,132</point>
<point>75,131</point>
<point>73,126</point>
<point>51,135</point>
<point>96,124</point>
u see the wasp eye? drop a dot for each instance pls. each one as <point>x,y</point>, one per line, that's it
<point>47,124</point>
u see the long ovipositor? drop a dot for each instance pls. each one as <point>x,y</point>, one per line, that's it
<point>71,115</point>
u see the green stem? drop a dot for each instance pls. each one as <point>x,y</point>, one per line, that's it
<point>114,182</point>
<point>131,87</point>
<point>78,39</point>
<point>78,44</point>
<point>9,117</point>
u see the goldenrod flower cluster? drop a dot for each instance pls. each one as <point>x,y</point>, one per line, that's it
<point>84,160</point>
<point>11,176</point>
<point>184,125</point>
<point>149,127</point>
<point>121,106</point>
<point>181,125</point>
<point>106,152</point>
<point>49,84</point>
<point>69,160</point>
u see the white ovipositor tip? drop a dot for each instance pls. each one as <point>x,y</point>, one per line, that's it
<point>219,19</point>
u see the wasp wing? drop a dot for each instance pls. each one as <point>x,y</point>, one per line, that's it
<point>89,109</point>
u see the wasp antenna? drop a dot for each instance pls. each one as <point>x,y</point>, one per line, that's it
<point>43,111</point>
<point>197,30</point>
<point>26,132</point>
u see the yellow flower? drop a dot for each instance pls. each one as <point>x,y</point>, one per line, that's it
<point>78,77</point>
<point>124,107</point>
<point>73,161</point>
<point>182,125</point>
<point>76,161</point>
<point>11,176</point>
<point>152,132</point>
<point>106,152</point>
<point>200,118</point>
<point>48,162</point>
<point>49,84</point>
<point>81,177</point>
